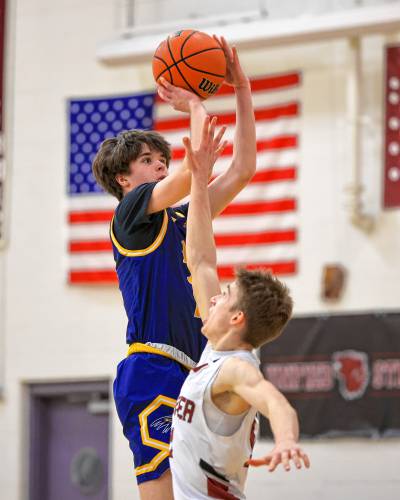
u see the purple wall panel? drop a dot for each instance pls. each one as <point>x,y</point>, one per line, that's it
<point>69,443</point>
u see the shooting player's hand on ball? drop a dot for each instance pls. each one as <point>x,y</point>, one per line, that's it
<point>235,75</point>
<point>179,99</point>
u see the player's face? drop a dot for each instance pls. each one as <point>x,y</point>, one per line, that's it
<point>222,309</point>
<point>149,166</point>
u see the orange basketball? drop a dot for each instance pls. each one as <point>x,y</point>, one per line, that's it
<point>191,60</point>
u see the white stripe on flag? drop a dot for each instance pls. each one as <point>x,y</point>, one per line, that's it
<point>221,225</point>
<point>243,254</point>
<point>285,158</point>
<point>267,129</point>
<point>226,103</point>
<point>254,223</point>
<point>92,202</point>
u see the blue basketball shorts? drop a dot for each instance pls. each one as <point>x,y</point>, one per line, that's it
<point>145,391</point>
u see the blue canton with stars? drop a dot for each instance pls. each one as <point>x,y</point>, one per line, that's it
<point>91,121</point>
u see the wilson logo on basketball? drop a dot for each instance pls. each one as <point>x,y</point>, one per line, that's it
<point>207,86</point>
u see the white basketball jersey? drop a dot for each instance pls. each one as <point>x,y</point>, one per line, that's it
<point>204,463</point>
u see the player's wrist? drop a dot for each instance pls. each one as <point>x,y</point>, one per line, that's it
<point>195,103</point>
<point>242,85</point>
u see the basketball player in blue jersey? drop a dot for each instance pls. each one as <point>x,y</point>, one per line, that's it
<point>148,238</point>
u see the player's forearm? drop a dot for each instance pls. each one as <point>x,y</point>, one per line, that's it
<point>199,238</point>
<point>271,403</point>
<point>170,190</point>
<point>244,144</point>
<point>282,417</point>
<point>197,115</point>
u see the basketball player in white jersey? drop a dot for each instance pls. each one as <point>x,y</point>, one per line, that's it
<point>215,416</point>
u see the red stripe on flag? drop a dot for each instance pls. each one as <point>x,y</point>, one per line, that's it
<point>265,237</point>
<point>86,216</point>
<point>267,113</point>
<point>221,240</point>
<point>284,205</point>
<point>277,143</point>
<point>275,175</point>
<point>101,276</point>
<point>278,268</point>
<point>266,83</point>
<point>271,174</point>
<point>225,272</point>
<point>90,246</point>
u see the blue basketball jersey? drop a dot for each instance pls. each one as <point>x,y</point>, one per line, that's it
<point>155,281</point>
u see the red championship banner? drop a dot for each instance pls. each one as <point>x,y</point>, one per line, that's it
<point>391,195</point>
<point>341,374</point>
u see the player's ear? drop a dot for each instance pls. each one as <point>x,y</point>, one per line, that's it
<point>238,318</point>
<point>122,180</point>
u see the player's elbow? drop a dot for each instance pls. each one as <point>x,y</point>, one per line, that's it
<point>244,170</point>
<point>199,260</point>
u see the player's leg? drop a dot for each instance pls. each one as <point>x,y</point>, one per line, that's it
<point>145,392</point>
<point>157,489</point>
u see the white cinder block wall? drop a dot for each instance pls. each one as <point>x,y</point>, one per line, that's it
<point>53,332</point>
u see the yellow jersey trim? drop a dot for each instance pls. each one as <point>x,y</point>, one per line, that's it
<point>145,251</point>
<point>179,214</point>
<point>139,347</point>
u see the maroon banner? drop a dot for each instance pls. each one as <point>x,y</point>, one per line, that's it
<point>341,373</point>
<point>2,56</point>
<point>391,194</point>
<point>2,83</point>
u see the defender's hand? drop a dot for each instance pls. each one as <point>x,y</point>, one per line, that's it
<point>283,453</point>
<point>235,75</point>
<point>201,160</point>
<point>179,99</point>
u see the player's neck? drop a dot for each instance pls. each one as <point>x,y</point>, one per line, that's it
<point>230,342</point>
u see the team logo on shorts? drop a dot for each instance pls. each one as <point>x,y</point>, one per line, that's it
<point>162,424</point>
<point>155,424</point>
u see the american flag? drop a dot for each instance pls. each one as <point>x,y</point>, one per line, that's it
<point>258,229</point>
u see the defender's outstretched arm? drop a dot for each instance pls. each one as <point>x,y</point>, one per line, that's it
<point>200,244</point>
<point>242,378</point>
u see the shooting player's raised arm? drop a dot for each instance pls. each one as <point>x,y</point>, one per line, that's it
<point>177,185</point>
<point>243,166</point>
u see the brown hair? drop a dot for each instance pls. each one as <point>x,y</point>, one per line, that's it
<point>266,304</point>
<point>115,155</point>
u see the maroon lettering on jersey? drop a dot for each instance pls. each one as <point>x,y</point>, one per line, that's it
<point>252,440</point>
<point>198,368</point>
<point>215,489</point>
<point>253,434</point>
<point>184,409</point>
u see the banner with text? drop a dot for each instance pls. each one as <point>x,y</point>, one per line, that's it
<point>341,374</point>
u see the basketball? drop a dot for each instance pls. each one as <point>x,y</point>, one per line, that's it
<point>191,60</point>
